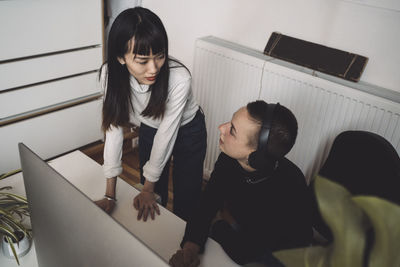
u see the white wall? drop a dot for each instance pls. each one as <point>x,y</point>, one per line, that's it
<point>114,7</point>
<point>366,30</point>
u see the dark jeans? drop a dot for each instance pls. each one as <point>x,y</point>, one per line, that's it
<point>189,153</point>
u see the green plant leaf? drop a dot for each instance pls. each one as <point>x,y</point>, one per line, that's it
<point>21,213</point>
<point>12,248</point>
<point>304,257</point>
<point>385,219</point>
<point>346,221</point>
<point>4,212</point>
<point>6,188</point>
<point>14,224</point>
<point>6,201</point>
<point>5,175</point>
<point>13,208</point>
<point>14,196</point>
<point>11,205</point>
<point>7,231</point>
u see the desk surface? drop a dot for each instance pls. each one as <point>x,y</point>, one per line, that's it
<point>163,235</point>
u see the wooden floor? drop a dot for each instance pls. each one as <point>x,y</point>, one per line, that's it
<point>130,163</point>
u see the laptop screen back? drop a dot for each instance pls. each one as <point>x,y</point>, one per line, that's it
<point>69,229</point>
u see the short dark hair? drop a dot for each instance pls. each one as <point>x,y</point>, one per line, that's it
<point>283,132</point>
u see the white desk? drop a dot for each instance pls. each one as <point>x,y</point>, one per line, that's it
<point>163,235</point>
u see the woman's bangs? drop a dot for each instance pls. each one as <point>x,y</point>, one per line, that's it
<point>146,42</point>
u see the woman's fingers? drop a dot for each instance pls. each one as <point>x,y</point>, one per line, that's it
<point>145,213</point>
<point>152,215</point>
<point>146,205</point>
<point>136,203</point>
<point>156,208</point>
<point>140,212</point>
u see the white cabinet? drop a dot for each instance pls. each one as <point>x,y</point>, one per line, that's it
<point>50,53</point>
<point>36,27</point>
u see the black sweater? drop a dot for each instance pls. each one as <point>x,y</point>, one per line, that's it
<point>272,215</point>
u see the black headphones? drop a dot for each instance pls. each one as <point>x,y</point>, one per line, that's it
<point>261,159</point>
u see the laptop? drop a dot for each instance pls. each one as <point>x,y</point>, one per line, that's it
<point>69,229</point>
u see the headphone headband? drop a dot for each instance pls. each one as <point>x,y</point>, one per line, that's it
<point>266,128</point>
<point>260,159</point>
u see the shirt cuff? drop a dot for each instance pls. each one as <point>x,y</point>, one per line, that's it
<point>151,174</point>
<point>112,171</point>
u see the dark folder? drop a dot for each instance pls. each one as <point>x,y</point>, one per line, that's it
<point>325,59</point>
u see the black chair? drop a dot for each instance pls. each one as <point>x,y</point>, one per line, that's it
<point>366,164</point>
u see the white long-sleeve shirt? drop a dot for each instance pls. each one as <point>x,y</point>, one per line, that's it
<point>180,110</point>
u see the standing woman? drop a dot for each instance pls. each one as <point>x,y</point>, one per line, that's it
<point>145,87</point>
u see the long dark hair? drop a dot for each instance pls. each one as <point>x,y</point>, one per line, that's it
<point>148,33</point>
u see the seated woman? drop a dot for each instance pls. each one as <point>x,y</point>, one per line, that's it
<point>256,200</point>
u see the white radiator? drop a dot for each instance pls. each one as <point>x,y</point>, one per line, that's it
<point>227,76</point>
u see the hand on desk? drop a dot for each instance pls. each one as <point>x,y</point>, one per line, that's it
<point>106,204</point>
<point>146,203</point>
<point>188,256</point>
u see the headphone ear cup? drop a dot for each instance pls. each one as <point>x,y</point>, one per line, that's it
<point>259,161</point>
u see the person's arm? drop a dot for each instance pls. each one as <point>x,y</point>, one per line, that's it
<point>164,139</point>
<point>112,155</point>
<point>198,226</point>
<point>108,202</point>
<point>276,222</point>
<point>145,202</point>
<point>212,198</point>
<point>241,247</point>
<point>163,144</point>
<point>112,167</point>
<point>114,138</point>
